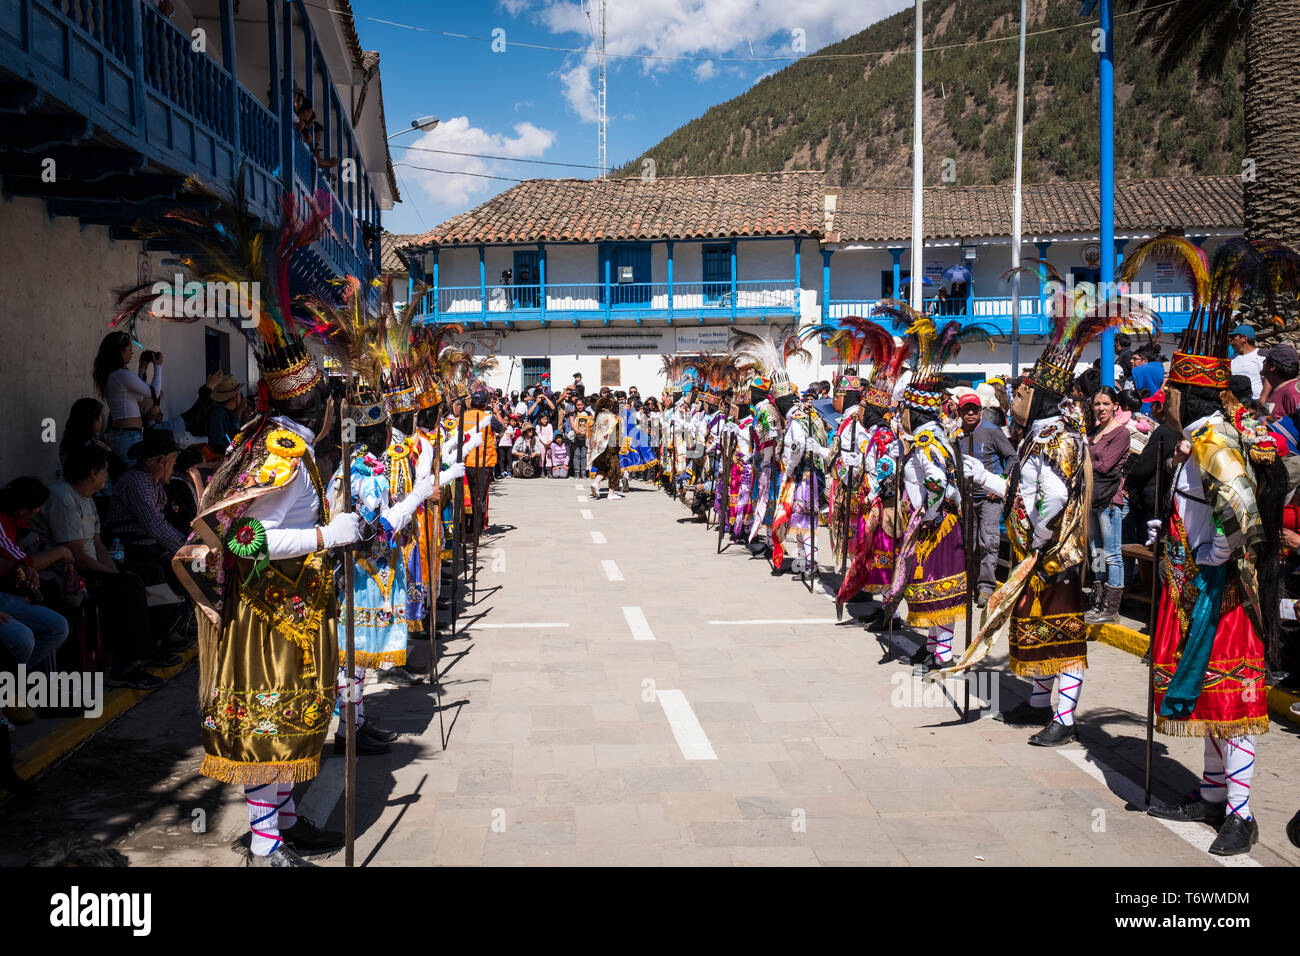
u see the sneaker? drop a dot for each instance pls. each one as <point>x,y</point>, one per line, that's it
<point>137,678</point>
<point>615,496</point>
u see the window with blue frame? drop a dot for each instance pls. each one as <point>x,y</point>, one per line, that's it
<point>629,273</point>
<point>716,271</point>
<point>527,280</point>
<point>534,369</point>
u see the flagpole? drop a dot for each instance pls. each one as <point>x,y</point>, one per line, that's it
<point>1017,219</point>
<point>918,267</point>
<point>349,656</point>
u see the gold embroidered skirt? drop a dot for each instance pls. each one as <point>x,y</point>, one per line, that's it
<point>268,716</point>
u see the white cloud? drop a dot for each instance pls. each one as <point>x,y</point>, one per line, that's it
<point>700,29</point>
<point>455,193</point>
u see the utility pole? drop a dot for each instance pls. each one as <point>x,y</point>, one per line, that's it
<point>1017,221</point>
<point>918,233</point>
<point>601,117</point>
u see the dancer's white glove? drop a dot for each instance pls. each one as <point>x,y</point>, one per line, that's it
<point>344,529</point>
<point>451,473</point>
<point>974,469</point>
<point>1153,531</point>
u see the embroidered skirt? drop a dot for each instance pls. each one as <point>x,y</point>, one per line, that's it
<point>936,591</point>
<point>379,629</point>
<point>1047,633</point>
<point>267,719</point>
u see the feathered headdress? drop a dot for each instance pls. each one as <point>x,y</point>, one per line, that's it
<point>766,357</point>
<point>933,348</point>
<point>430,340</point>
<point>673,367</point>
<point>401,346</point>
<point>240,274</point>
<point>857,341</point>
<point>355,334</point>
<point>717,375</point>
<point>1078,316</point>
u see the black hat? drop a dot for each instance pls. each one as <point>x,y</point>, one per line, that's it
<point>156,441</point>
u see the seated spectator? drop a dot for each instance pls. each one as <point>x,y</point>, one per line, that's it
<point>526,454</point>
<point>1281,369</point>
<point>222,423</point>
<point>29,633</point>
<point>71,519</point>
<point>137,514</point>
<point>557,459</point>
<point>85,424</point>
<point>182,500</point>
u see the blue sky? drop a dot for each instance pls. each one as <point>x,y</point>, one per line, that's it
<point>540,104</point>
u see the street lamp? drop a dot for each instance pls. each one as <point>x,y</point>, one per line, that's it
<point>422,123</point>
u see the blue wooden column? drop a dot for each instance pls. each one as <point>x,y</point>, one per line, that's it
<point>541,277</point>
<point>287,126</point>
<point>826,284</point>
<point>733,285</point>
<point>897,255</point>
<point>1107,204</point>
<point>228,60</point>
<point>608,298</point>
<point>437,299</point>
<point>797,274</point>
<point>482,282</point>
<point>671,293</point>
<point>1042,248</point>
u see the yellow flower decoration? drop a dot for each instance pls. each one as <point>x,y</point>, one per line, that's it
<point>275,471</point>
<point>285,444</point>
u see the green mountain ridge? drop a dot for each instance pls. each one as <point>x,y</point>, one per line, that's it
<point>852,117</point>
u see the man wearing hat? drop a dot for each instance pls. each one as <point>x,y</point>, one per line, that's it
<point>137,513</point>
<point>1248,360</point>
<point>985,441</point>
<point>222,421</point>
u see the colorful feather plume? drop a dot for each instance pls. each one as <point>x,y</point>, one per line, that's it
<point>1188,257</point>
<point>353,331</point>
<point>768,355</point>
<point>933,347</point>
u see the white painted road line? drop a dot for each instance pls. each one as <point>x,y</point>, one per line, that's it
<point>611,570</point>
<point>586,515</point>
<point>691,739</point>
<point>783,620</point>
<point>1197,834</point>
<point>509,627</point>
<point>577,485</point>
<point>581,498</point>
<point>597,538</point>
<point>639,626</point>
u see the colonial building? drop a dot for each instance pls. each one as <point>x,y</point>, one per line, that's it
<point>106,107</point>
<point>603,277</point>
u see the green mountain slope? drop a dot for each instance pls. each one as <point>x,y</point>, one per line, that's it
<point>852,117</point>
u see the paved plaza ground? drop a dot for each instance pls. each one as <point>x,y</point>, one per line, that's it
<point>623,695</point>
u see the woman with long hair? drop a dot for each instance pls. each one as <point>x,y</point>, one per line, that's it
<point>1108,447</point>
<point>85,424</point>
<point>129,398</point>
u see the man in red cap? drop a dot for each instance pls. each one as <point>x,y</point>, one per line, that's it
<point>985,441</point>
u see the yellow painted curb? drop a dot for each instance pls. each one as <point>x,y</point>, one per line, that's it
<point>1136,643</point>
<point>73,732</point>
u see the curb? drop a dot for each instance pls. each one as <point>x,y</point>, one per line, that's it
<point>1136,643</point>
<point>71,733</point>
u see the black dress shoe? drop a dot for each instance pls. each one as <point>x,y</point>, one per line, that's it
<point>872,617</point>
<point>1235,836</point>
<point>1191,810</point>
<point>416,669</point>
<point>366,745</point>
<point>920,656</point>
<point>881,624</point>
<point>1293,830</point>
<point>1055,734</point>
<point>282,856</point>
<point>305,837</point>
<point>397,674</point>
<point>930,663</point>
<point>1022,713</point>
<point>368,729</point>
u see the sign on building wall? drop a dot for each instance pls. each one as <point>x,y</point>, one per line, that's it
<point>703,339</point>
<point>609,372</point>
<point>1166,272</point>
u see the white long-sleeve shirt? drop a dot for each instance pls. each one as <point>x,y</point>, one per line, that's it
<point>1203,532</point>
<point>925,475</point>
<point>1042,490</point>
<point>798,443</point>
<point>126,393</point>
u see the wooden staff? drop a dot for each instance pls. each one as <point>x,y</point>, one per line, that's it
<point>350,655</point>
<point>458,520</point>
<point>723,485</point>
<point>971,552</point>
<point>813,501</point>
<point>1151,629</point>
<point>848,518</point>
<point>431,597</point>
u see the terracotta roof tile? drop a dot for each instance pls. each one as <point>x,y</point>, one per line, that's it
<point>685,207</point>
<point>390,259</point>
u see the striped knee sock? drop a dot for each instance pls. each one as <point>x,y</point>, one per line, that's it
<point>1041,695</point>
<point>1068,686</point>
<point>1214,789</point>
<point>288,812</point>
<point>943,643</point>
<point>263,817</point>
<point>1239,767</point>
<point>358,681</point>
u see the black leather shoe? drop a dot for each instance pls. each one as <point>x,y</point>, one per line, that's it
<point>397,674</point>
<point>283,856</point>
<point>366,746</point>
<point>305,837</point>
<point>1055,734</point>
<point>1191,810</point>
<point>931,663</point>
<point>368,729</point>
<point>1235,836</point>
<point>415,669</point>
<point>1293,830</point>
<point>1024,714</point>
<point>920,656</point>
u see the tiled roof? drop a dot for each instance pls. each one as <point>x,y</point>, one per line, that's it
<point>390,260</point>
<point>884,214</point>
<point>681,207</point>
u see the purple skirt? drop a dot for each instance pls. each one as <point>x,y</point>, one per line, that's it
<point>936,588</point>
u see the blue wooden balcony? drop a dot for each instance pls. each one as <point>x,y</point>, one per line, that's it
<point>995,311</point>
<point>114,93</point>
<point>698,303</point>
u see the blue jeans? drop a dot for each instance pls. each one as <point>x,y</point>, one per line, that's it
<point>1109,524</point>
<point>121,440</point>
<point>33,633</point>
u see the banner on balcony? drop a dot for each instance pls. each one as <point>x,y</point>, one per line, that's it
<point>703,339</point>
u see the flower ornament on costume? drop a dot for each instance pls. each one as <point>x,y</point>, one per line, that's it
<point>248,540</point>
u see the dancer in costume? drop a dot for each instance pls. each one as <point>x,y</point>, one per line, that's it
<point>258,565</point>
<point>804,450</point>
<point>1049,489</point>
<point>605,439</point>
<point>741,487</point>
<point>1218,626</point>
<point>931,569</point>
